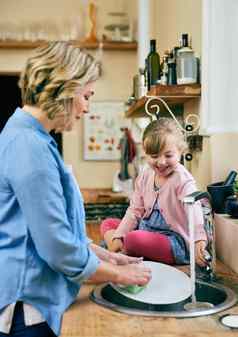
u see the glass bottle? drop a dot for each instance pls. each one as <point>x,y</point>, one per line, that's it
<point>172,78</point>
<point>153,65</point>
<point>164,70</point>
<point>139,84</point>
<point>186,63</point>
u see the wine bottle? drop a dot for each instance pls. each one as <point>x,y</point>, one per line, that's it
<point>184,40</point>
<point>230,179</point>
<point>153,65</point>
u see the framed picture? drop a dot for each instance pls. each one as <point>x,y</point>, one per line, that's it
<point>103,129</point>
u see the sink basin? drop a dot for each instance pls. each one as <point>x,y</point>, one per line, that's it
<point>219,296</point>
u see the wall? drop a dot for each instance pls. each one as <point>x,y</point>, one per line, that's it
<point>223,155</point>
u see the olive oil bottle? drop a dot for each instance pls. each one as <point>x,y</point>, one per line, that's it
<point>153,65</point>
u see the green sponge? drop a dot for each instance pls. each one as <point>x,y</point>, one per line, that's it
<point>132,289</point>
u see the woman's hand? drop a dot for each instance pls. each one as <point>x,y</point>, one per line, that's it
<point>200,247</point>
<point>121,259</point>
<point>133,274</point>
<point>127,274</point>
<point>114,258</point>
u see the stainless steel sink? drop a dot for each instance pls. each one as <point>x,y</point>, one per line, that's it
<point>219,296</point>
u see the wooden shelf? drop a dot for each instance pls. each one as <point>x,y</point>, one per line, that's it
<point>106,45</point>
<point>173,95</point>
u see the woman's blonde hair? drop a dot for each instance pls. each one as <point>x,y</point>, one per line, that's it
<point>53,75</point>
<point>157,133</point>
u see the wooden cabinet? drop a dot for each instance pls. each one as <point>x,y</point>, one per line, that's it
<point>173,95</point>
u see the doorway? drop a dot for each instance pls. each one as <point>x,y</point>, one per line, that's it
<point>11,99</point>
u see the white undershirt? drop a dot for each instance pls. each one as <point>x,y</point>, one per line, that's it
<point>31,316</point>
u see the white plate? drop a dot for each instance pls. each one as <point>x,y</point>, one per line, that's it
<point>168,285</point>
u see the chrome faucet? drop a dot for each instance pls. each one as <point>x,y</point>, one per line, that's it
<point>208,272</point>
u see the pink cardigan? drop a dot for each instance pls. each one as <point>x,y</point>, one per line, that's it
<point>170,197</point>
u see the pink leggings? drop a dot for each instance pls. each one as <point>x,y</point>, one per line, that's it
<point>151,245</point>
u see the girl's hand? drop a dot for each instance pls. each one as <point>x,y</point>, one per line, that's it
<point>200,247</point>
<point>115,245</point>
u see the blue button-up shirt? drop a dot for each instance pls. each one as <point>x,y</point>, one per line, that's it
<point>44,249</point>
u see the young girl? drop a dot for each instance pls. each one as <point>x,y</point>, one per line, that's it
<point>155,225</point>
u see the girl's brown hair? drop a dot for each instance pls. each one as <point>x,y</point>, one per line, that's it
<point>54,73</point>
<point>157,132</point>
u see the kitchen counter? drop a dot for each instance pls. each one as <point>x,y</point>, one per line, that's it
<point>87,319</point>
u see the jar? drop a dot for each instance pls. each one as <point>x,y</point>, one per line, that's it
<point>139,84</point>
<point>186,66</point>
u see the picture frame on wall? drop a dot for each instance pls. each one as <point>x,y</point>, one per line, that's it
<point>103,129</point>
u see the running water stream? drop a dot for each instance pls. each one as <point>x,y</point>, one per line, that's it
<point>194,304</point>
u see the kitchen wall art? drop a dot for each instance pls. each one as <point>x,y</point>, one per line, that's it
<point>103,128</point>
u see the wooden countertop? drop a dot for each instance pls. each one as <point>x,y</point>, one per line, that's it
<point>87,319</point>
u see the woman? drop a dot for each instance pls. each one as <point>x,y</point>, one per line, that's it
<point>45,252</point>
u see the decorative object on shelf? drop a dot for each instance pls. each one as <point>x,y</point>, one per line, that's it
<point>92,38</point>
<point>119,29</point>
